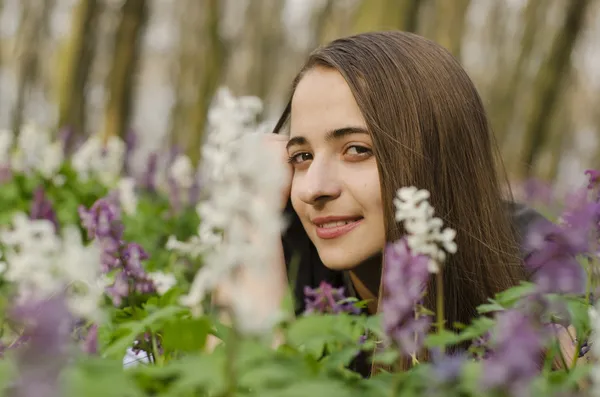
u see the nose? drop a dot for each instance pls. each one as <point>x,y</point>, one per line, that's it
<point>319,184</point>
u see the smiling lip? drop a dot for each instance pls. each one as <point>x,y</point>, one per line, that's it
<point>335,226</point>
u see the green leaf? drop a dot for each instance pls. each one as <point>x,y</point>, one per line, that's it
<point>320,387</point>
<point>186,335</point>
<point>490,307</point>
<point>509,297</point>
<point>580,319</point>
<point>386,357</point>
<point>100,378</point>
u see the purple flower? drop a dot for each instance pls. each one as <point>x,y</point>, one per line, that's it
<point>404,280</point>
<point>518,348</point>
<point>594,179</point>
<point>103,224</point>
<point>149,178</point>
<point>447,367</point>
<point>326,299</point>
<point>46,329</point>
<point>119,289</point>
<point>41,208</point>
<point>90,344</point>
<point>553,248</point>
<point>103,219</point>
<point>131,141</point>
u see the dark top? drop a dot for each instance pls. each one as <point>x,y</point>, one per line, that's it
<point>305,267</point>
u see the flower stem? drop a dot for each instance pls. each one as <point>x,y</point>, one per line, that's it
<point>439,283</point>
<point>230,370</point>
<point>158,358</point>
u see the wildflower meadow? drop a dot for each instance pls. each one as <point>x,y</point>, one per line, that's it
<point>106,280</point>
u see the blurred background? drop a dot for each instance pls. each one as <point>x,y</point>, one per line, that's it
<point>152,66</point>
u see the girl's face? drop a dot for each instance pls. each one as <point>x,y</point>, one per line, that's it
<point>335,187</point>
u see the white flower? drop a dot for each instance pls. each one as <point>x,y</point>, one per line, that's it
<point>41,264</point>
<point>127,197</point>
<point>94,158</point>
<point>162,281</point>
<point>425,234</point>
<point>182,171</point>
<point>240,218</point>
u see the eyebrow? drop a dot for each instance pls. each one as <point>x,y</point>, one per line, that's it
<point>330,136</point>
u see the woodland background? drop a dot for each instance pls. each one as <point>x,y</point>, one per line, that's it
<point>152,66</point>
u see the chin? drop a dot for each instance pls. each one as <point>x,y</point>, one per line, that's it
<point>344,259</point>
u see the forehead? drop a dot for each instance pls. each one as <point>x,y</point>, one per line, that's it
<point>323,102</point>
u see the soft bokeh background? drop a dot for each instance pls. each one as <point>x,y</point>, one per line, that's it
<point>152,66</point>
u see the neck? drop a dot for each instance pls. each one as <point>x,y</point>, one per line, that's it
<point>366,279</point>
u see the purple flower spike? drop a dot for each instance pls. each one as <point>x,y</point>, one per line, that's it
<point>517,354</point>
<point>41,208</point>
<point>404,280</point>
<point>43,355</point>
<point>326,299</point>
<point>103,224</point>
<point>102,220</point>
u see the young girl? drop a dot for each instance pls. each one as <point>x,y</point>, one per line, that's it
<point>369,114</point>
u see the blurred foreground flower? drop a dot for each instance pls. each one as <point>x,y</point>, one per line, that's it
<point>517,356</point>
<point>241,223</point>
<point>404,280</point>
<point>44,351</point>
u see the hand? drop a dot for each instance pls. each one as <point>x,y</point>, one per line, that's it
<point>276,143</point>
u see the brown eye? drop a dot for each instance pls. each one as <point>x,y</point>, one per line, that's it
<point>299,158</point>
<point>356,150</point>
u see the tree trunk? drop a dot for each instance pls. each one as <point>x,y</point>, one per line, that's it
<point>121,80</point>
<point>548,84</point>
<point>34,22</point>
<point>505,104</point>
<point>211,64</point>
<point>388,14</point>
<point>450,24</point>
<point>77,65</point>
<point>264,33</point>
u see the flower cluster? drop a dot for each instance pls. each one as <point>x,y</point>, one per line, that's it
<point>326,299</point>
<point>425,234</point>
<point>241,223</point>
<point>123,260</point>
<point>41,263</point>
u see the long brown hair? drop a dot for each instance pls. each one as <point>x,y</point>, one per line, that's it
<point>429,129</point>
